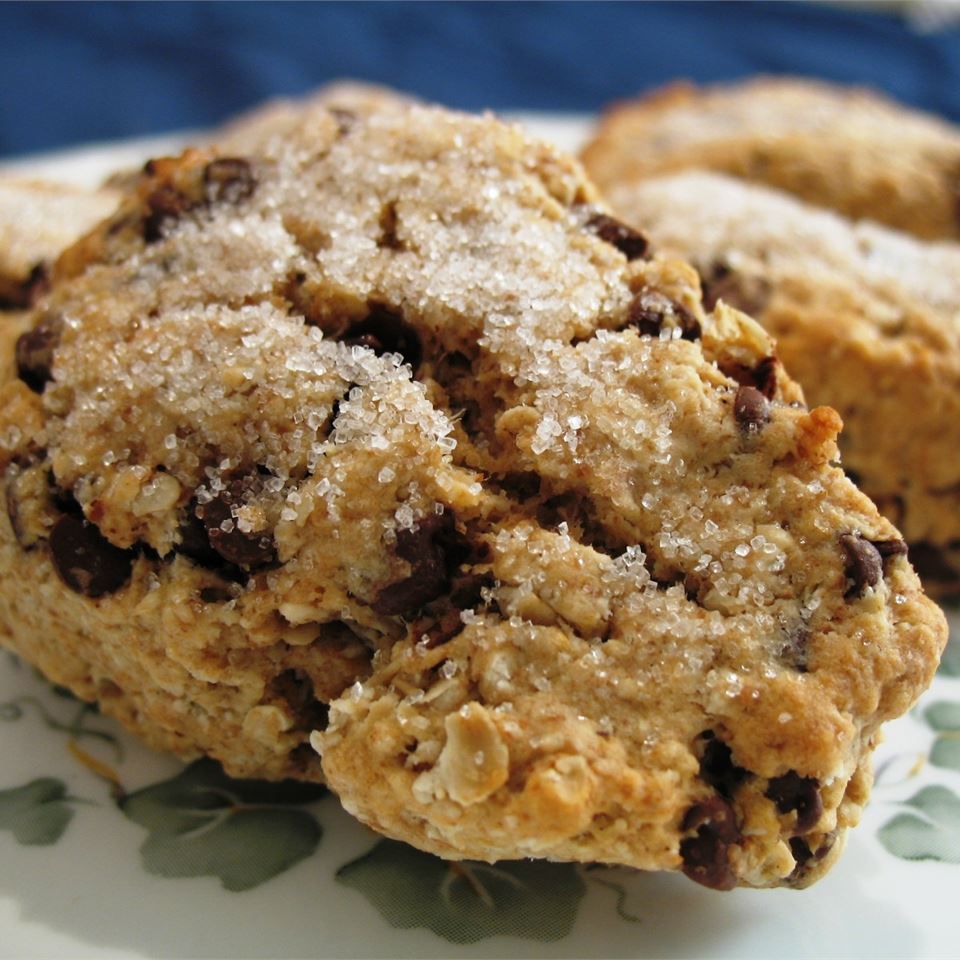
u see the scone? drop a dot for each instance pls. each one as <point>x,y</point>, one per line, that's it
<point>845,148</point>
<point>344,98</point>
<point>867,319</point>
<point>386,438</point>
<point>38,219</point>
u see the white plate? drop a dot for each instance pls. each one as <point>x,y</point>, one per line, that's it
<point>85,874</point>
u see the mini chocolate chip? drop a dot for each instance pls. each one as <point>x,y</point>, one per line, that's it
<point>34,353</point>
<point>649,311</point>
<point>345,119</point>
<point>889,548</point>
<point>765,376</point>
<point>245,548</point>
<point>164,204</point>
<point>631,243</point>
<point>740,291</point>
<point>215,595</point>
<point>229,179</point>
<point>388,238</point>
<point>706,855</point>
<point>27,293</point>
<point>718,769</point>
<point>86,561</point>
<point>385,331</point>
<point>751,409</point>
<point>434,551</point>
<point>194,542</point>
<point>802,794</point>
<point>806,858</point>
<point>863,565</point>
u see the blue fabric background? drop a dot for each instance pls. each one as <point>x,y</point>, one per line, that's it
<point>78,72</point>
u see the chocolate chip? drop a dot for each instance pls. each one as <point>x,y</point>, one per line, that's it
<point>806,858</point>
<point>751,409</point>
<point>862,564</point>
<point>802,794</point>
<point>747,293</point>
<point>385,331</point>
<point>650,312</point>
<point>801,851</point>
<point>345,119</point>
<point>441,621</point>
<point>889,548</point>
<point>388,238</point>
<point>718,769</point>
<point>163,205</point>
<point>245,548</point>
<point>706,855</point>
<point>215,595</point>
<point>434,551</point>
<point>631,243</point>
<point>34,353</point>
<point>86,561</point>
<point>194,542</point>
<point>765,376</point>
<point>229,180</point>
<point>25,294</point>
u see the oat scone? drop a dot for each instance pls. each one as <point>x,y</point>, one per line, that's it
<point>388,439</point>
<point>39,219</point>
<point>866,318</point>
<point>845,148</point>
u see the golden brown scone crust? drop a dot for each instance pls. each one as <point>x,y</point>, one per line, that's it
<point>845,148</point>
<point>387,436</point>
<point>866,318</point>
<point>39,219</point>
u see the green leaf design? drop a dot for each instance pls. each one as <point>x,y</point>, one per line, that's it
<point>37,812</point>
<point>469,901</point>
<point>943,715</point>
<point>950,661</point>
<point>946,753</point>
<point>203,823</point>
<point>931,831</point>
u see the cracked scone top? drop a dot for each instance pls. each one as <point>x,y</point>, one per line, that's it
<point>386,438</point>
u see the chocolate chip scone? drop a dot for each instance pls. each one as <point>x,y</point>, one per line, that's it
<point>867,319</point>
<point>38,219</point>
<point>845,148</point>
<point>388,439</point>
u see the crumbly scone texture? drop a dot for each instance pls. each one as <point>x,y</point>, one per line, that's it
<point>388,439</point>
<point>845,148</point>
<point>866,318</point>
<point>39,219</point>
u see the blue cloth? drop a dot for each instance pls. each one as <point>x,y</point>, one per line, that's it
<point>78,72</point>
